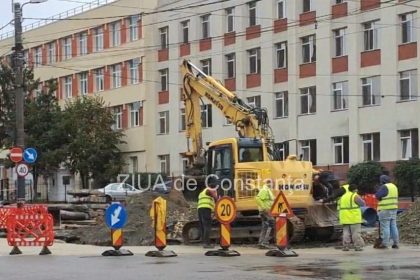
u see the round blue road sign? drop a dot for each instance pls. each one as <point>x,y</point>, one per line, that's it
<point>30,155</point>
<point>115,216</point>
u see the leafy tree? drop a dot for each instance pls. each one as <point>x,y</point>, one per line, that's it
<point>45,132</point>
<point>365,175</point>
<point>407,177</point>
<point>92,150</point>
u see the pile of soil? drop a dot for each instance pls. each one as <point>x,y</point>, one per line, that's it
<point>138,229</point>
<point>409,225</point>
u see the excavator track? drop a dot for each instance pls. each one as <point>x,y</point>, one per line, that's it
<point>296,229</point>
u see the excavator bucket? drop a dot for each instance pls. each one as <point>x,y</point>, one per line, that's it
<point>322,222</point>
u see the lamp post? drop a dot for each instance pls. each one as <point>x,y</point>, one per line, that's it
<point>19,90</point>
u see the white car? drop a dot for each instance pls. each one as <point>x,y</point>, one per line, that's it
<point>118,191</point>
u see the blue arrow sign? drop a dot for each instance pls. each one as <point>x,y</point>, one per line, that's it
<point>30,155</point>
<point>115,216</point>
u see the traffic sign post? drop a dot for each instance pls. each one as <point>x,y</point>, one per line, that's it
<point>115,219</point>
<point>158,211</point>
<point>225,214</point>
<point>281,210</point>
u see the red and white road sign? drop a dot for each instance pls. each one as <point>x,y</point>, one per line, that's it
<point>22,169</point>
<point>16,154</point>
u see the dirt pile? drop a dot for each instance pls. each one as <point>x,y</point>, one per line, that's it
<point>409,225</point>
<point>138,229</point>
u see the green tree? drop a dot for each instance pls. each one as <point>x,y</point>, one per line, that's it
<point>365,175</point>
<point>45,132</point>
<point>407,177</point>
<point>93,148</point>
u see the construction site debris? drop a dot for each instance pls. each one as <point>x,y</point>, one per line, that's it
<point>409,224</point>
<point>138,230</point>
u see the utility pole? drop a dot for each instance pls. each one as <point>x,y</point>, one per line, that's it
<point>19,95</point>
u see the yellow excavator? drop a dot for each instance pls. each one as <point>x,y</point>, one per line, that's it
<point>241,164</point>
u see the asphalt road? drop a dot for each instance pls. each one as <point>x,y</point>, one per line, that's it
<point>85,262</point>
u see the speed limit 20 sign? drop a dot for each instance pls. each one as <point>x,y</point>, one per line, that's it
<point>225,210</point>
<point>22,169</point>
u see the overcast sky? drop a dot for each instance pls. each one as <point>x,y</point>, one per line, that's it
<point>41,10</point>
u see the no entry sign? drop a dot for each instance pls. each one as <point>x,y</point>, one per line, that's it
<point>16,154</point>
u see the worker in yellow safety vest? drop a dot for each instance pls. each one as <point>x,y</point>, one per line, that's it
<point>205,208</point>
<point>351,218</point>
<point>387,196</point>
<point>265,199</point>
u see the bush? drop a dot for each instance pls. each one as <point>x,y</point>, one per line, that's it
<point>366,176</point>
<point>407,177</point>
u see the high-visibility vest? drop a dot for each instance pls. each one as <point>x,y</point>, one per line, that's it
<point>265,198</point>
<point>350,212</point>
<point>390,201</point>
<point>346,187</point>
<point>205,201</point>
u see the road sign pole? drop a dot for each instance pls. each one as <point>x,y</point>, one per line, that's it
<point>117,238</point>
<point>115,219</point>
<point>159,223</point>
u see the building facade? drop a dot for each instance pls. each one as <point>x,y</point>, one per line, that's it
<point>338,78</point>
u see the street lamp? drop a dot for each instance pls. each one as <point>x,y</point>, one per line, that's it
<point>19,91</point>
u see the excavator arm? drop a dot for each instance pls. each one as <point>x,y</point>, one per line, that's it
<point>249,122</point>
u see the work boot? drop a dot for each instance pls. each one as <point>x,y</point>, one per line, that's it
<point>358,249</point>
<point>395,246</point>
<point>345,249</point>
<point>382,246</point>
<point>263,246</point>
<point>208,246</point>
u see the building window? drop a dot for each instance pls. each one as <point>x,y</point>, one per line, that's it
<point>252,10</point>
<point>281,104</point>
<point>370,34</point>
<point>115,34</point>
<point>408,85</point>
<point>116,75</point>
<point>230,20</point>
<point>99,79</point>
<point>66,42</point>
<point>409,140</point>
<point>205,26</point>
<point>306,6</point>
<point>254,56</point>
<point>164,122</point>
<point>99,39</point>
<point>281,9</point>
<point>83,43</point>
<point>308,49</point>
<point>134,70</point>
<point>340,96</point>
<point>117,118</point>
<point>281,150</point>
<point>371,91</point>
<point>371,146</point>
<point>182,125</point>
<point>408,31</point>
<point>83,83</point>
<point>68,86</point>
<point>164,164</point>
<point>281,55</point>
<point>341,149</point>
<point>308,150</point>
<point>132,27</point>
<point>51,52</point>
<point>164,39</point>
<point>135,114</point>
<point>231,65</point>
<point>340,43</point>
<point>206,66</point>
<point>339,1</point>
<point>38,56</point>
<point>164,80</point>
<point>185,26</point>
<point>254,101</point>
<point>308,100</point>
<point>206,116</point>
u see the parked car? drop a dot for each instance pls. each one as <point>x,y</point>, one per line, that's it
<point>163,188</point>
<point>118,191</point>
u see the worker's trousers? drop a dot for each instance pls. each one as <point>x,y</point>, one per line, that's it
<point>352,234</point>
<point>204,216</point>
<point>267,226</point>
<point>388,224</point>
